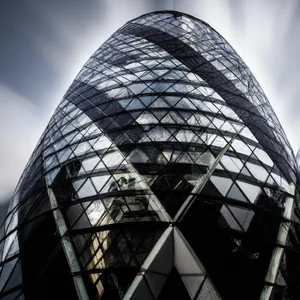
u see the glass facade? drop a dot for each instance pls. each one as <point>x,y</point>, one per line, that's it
<point>163,174</point>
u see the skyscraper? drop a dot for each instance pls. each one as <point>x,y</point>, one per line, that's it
<point>163,174</point>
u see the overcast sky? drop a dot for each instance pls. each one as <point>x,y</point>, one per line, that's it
<point>44,44</point>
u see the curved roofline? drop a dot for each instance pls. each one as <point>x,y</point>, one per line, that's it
<point>179,13</point>
<point>175,12</point>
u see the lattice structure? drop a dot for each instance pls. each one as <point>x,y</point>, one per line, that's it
<point>163,174</point>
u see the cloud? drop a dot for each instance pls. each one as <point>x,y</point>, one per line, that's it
<point>21,125</point>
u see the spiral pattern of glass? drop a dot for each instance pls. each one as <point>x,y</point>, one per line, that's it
<point>162,174</point>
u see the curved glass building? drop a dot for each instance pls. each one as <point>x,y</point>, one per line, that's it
<point>163,174</point>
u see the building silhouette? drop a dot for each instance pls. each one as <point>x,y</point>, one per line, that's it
<point>162,174</point>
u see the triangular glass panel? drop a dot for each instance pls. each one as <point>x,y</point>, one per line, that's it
<point>147,100</point>
<point>244,216</point>
<point>160,73</point>
<point>14,295</point>
<point>219,166</point>
<point>7,269</point>
<point>167,120</point>
<point>78,183</point>
<point>86,190</point>
<point>90,163</point>
<point>193,121</point>
<point>146,139</point>
<point>258,172</point>
<point>159,103</point>
<point>135,114</point>
<point>159,133</point>
<point>138,156</point>
<point>100,181</point>
<point>123,120</point>
<point>206,158</point>
<point>159,114</point>
<point>148,76</point>
<point>185,104</point>
<point>228,216</point>
<point>231,163</point>
<point>123,138</point>
<point>112,159</point>
<point>135,104</point>
<point>246,172</point>
<point>172,190</point>
<point>146,118</point>
<point>171,100</point>
<point>124,103</point>
<point>221,183</point>
<point>110,186</point>
<point>174,288</point>
<point>160,86</point>
<point>250,190</point>
<point>15,277</point>
<point>82,148</point>
<point>188,265</point>
<point>186,159</point>
<point>235,193</point>
<point>136,134</point>
<point>208,291</point>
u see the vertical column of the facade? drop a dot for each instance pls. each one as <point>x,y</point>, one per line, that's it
<point>68,247</point>
<point>278,251</point>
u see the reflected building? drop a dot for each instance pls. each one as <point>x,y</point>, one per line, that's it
<point>162,174</point>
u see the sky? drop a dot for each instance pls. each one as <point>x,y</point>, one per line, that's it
<point>44,44</point>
